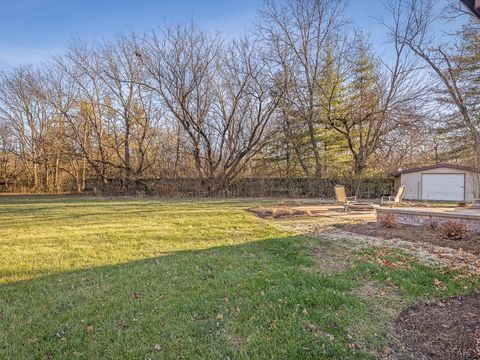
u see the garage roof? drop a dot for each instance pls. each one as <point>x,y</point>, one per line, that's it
<point>436,166</point>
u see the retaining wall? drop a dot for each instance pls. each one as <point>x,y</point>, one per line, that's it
<point>413,216</point>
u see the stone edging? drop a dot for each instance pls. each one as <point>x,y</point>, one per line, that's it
<point>430,213</point>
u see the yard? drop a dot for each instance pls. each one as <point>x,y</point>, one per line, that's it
<point>84,278</point>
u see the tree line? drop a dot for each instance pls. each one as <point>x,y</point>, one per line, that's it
<point>304,95</point>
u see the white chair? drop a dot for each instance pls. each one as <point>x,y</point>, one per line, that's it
<point>394,200</point>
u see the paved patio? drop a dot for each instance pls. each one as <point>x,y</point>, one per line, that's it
<point>405,215</point>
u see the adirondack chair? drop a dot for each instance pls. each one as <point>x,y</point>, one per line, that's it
<point>342,197</point>
<point>394,200</point>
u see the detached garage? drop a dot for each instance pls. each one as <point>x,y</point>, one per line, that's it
<point>445,182</point>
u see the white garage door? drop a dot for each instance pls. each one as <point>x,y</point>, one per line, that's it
<point>443,187</point>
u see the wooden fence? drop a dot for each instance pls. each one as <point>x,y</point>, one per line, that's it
<point>243,187</point>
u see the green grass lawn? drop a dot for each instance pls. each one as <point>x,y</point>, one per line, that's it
<point>84,278</point>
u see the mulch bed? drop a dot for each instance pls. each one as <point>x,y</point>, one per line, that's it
<point>448,329</point>
<point>471,243</point>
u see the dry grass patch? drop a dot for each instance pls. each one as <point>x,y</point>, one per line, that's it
<point>332,259</point>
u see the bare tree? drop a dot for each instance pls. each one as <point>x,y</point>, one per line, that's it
<point>133,114</point>
<point>365,99</point>
<point>78,95</point>
<point>298,33</point>
<point>304,97</point>
<point>222,96</point>
<point>447,61</point>
<point>6,168</point>
<point>30,123</point>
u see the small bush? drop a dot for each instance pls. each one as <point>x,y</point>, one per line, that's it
<point>430,225</point>
<point>462,204</point>
<point>388,221</point>
<point>454,230</point>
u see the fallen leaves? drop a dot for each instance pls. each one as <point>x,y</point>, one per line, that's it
<point>319,332</point>
<point>387,263</point>
<point>438,284</point>
<point>423,252</point>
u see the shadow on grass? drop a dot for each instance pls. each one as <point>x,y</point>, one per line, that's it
<point>251,301</point>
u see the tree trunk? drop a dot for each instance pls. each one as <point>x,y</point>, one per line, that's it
<point>316,153</point>
<point>128,169</point>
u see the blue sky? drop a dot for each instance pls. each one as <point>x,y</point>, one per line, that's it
<point>32,30</point>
